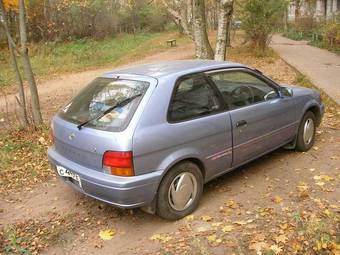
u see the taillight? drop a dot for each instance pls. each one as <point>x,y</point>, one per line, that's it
<point>118,163</point>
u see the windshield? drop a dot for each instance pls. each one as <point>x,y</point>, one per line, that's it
<point>100,95</point>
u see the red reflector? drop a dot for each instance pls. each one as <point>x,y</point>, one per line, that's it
<point>119,162</point>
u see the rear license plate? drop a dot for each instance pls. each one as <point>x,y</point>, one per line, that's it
<point>62,171</point>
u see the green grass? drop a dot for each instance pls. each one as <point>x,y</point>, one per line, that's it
<point>308,36</point>
<point>50,59</point>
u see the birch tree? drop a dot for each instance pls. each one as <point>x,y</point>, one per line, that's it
<point>203,48</point>
<point>23,52</point>
<point>35,104</point>
<point>181,11</point>
<point>225,13</point>
<point>190,15</point>
<point>12,48</point>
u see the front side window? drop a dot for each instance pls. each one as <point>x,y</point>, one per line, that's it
<point>193,97</point>
<point>100,95</point>
<point>241,88</point>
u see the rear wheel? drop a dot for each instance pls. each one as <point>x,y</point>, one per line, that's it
<point>180,191</point>
<point>306,134</point>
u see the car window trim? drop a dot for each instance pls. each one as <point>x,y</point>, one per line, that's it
<point>178,81</point>
<point>257,75</point>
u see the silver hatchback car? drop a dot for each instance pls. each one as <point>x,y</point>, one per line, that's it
<point>151,135</point>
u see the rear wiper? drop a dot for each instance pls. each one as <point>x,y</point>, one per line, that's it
<point>120,104</point>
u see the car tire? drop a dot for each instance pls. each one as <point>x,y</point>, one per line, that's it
<point>306,133</point>
<point>180,191</point>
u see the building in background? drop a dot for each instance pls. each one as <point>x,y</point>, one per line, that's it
<point>320,9</point>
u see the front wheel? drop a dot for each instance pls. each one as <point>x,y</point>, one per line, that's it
<point>180,191</point>
<point>306,133</point>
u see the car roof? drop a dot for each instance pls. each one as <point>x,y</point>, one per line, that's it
<point>176,67</point>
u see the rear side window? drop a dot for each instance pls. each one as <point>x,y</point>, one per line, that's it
<point>100,95</point>
<point>193,97</point>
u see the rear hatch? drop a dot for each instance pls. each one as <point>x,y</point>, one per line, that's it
<point>111,132</point>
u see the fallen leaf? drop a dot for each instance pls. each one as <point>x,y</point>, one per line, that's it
<point>283,226</point>
<point>240,222</point>
<point>320,183</point>
<point>42,140</point>
<point>327,212</point>
<point>302,187</point>
<point>258,247</point>
<point>276,249</point>
<point>202,229</point>
<point>231,204</point>
<point>190,217</point>
<point>163,238</point>
<point>277,199</point>
<point>216,224</point>
<point>280,239</point>
<point>211,238</point>
<point>206,218</point>
<point>227,228</point>
<point>323,178</point>
<point>107,234</point>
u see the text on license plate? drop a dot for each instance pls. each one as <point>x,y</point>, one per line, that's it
<point>62,171</point>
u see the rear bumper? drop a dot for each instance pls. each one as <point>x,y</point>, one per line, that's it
<point>123,192</point>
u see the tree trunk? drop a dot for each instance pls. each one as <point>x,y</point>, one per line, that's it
<point>182,15</point>
<point>297,9</point>
<point>37,118</point>
<point>11,47</point>
<point>286,19</point>
<point>223,29</point>
<point>202,45</point>
<point>22,100</point>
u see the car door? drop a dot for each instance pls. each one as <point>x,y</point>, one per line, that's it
<point>196,112</point>
<point>261,119</point>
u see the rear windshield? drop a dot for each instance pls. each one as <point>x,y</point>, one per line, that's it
<point>101,94</point>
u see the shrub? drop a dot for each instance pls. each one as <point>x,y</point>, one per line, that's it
<point>260,19</point>
<point>305,24</point>
<point>331,34</point>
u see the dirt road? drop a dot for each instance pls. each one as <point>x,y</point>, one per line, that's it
<point>270,183</point>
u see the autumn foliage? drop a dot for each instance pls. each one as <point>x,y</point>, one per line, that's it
<point>60,20</point>
<point>11,5</point>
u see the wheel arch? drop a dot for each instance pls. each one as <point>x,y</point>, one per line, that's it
<point>196,160</point>
<point>316,111</point>
<point>313,107</point>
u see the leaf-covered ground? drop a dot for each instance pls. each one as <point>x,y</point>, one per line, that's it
<point>284,203</point>
<point>23,160</point>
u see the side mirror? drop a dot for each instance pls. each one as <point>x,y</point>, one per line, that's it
<point>286,92</point>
